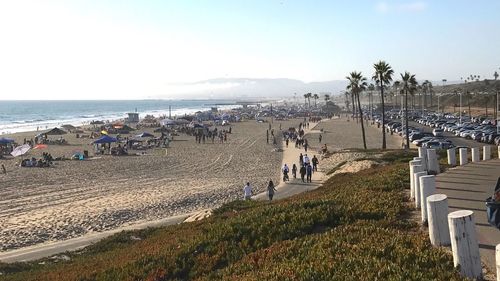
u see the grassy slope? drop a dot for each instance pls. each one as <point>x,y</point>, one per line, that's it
<point>354,227</point>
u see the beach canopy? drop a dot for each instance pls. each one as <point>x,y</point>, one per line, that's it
<point>56,131</point>
<point>145,135</point>
<point>20,150</point>
<point>105,139</point>
<point>6,140</point>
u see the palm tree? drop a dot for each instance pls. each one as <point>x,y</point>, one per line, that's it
<point>383,77</point>
<point>409,84</point>
<point>315,97</point>
<point>495,75</point>
<point>305,99</point>
<point>309,96</point>
<point>357,84</point>
<point>395,86</point>
<point>327,98</point>
<point>371,88</point>
<point>425,89</point>
<point>347,103</point>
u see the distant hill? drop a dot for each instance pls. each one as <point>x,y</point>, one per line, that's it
<point>484,86</point>
<point>256,88</point>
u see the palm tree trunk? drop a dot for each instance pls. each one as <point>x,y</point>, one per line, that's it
<point>384,143</point>
<point>353,107</point>
<point>406,121</point>
<point>362,123</point>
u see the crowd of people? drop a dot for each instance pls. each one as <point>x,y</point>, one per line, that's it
<point>306,167</point>
<point>45,161</point>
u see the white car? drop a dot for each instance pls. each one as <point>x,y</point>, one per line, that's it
<point>437,132</point>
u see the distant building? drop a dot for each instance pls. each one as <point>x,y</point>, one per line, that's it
<point>133,117</point>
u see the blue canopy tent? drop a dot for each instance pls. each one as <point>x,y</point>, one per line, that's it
<point>6,141</point>
<point>105,139</point>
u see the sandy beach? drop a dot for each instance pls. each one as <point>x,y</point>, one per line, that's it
<point>75,198</point>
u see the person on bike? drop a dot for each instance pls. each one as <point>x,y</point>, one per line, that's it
<point>285,173</point>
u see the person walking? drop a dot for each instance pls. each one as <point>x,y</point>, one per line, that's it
<point>248,191</point>
<point>320,138</point>
<point>301,159</point>
<point>309,171</point>
<point>294,171</point>
<point>271,190</point>
<point>302,172</point>
<point>285,171</point>
<point>306,160</point>
<point>315,163</point>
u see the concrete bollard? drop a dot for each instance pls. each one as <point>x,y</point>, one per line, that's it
<point>452,157</point>
<point>427,187</point>
<point>498,261</point>
<point>432,162</point>
<point>422,153</point>
<point>464,243</point>
<point>463,156</point>
<point>437,212</point>
<point>486,152</point>
<point>475,154</point>
<point>413,163</point>
<point>418,175</point>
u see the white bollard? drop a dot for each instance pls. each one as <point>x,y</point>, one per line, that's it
<point>452,157</point>
<point>498,261</point>
<point>437,212</point>
<point>418,175</point>
<point>464,243</point>
<point>486,152</point>
<point>475,154</point>
<point>422,153</point>
<point>427,187</point>
<point>421,162</point>
<point>432,162</point>
<point>463,156</point>
<point>413,163</point>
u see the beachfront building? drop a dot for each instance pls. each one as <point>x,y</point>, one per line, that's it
<point>133,117</point>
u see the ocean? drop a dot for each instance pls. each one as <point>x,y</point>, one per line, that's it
<point>22,116</point>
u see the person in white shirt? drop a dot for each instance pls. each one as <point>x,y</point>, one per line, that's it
<point>306,160</point>
<point>248,191</point>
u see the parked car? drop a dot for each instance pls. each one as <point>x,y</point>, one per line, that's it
<point>437,132</point>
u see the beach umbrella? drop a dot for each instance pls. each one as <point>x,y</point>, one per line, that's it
<point>145,135</point>
<point>6,140</point>
<point>40,146</point>
<point>105,139</point>
<point>56,131</point>
<point>20,150</point>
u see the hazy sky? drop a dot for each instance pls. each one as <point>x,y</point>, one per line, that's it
<point>137,49</point>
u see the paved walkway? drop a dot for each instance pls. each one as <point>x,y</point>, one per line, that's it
<point>295,186</point>
<point>467,188</point>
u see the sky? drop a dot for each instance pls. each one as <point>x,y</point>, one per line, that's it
<point>141,49</point>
